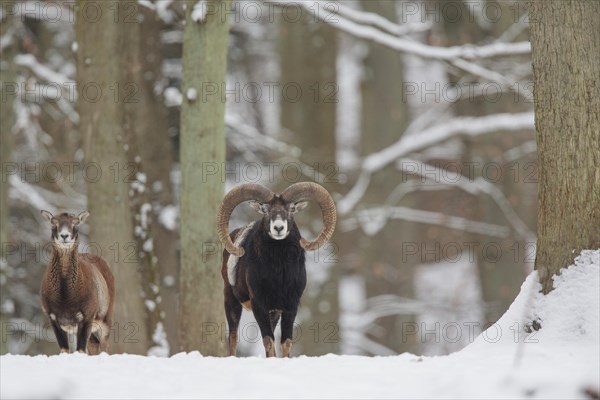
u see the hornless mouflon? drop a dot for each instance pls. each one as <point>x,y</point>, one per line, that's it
<point>78,289</point>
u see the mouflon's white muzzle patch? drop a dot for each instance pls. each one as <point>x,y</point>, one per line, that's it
<point>278,228</point>
<point>64,238</point>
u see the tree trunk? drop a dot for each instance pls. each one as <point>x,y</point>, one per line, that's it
<point>202,143</point>
<point>565,41</point>
<point>308,57</point>
<point>7,121</point>
<point>156,151</point>
<point>139,140</point>
<point>384,119</point>
<point>105,104</point>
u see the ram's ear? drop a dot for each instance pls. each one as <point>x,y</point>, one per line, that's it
<point>48,217</point>
<point>82,217</point>
<point>260,207</point>
<point>297,207</point>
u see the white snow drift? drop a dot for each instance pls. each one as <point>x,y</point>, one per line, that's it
<point>559,361</point>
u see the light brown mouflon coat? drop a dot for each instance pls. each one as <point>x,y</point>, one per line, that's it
<point>78,290</point>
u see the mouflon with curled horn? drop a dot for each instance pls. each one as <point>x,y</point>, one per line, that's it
<point>264,262</point>
<point>78,289</point>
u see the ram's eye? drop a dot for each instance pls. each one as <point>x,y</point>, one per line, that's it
<point>260,207</point>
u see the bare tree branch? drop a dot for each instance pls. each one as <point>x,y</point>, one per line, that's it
<point>479,185</point>
<point>409,46</point>
<point>372,220</point>
<point>408,143</point>
<point>470,126</point>
<point>369,18</point>
<point>41,71</point>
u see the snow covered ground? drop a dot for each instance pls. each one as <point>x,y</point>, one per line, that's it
<point>562,360</point>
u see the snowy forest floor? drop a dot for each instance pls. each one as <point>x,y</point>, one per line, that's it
<point>562,360</point>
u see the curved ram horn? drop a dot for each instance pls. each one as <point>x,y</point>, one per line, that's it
<point>313,191</point>
<point>237,195</point>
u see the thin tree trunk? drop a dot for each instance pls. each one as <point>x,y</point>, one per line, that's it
<point>565,41</point>
<point>138,140</point>
<point>201,316</point>
<point>107,129</point>
<point>156,151</point>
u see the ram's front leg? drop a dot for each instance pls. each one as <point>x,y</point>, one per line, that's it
<point>264,323</point>
<point>287,330</point>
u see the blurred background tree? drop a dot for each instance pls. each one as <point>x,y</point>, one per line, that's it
<point>416,115</point>
<point>307,58</point>
<point>108,126</point>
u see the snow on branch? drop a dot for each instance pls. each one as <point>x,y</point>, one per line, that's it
<point>248,140</point>
<point>258,139</point>
<point>6,40</point>
<point>372,220</point>
<point>470,126</point>
<point>43,199</point>
<point>367,18</point>
<point>409,46</point>
<point>40,70</point>
<point>27,193</point>
<point>417,140</point>
<point>493,76</point>
<point>148,4</point>
<point>476,186</point>
<point>351,199</point>
<point>519,151</point>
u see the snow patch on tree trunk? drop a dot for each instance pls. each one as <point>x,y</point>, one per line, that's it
<point>199,12</point>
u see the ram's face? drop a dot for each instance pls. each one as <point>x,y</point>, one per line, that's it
<point>65,228</point>
<point>278,216</point>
